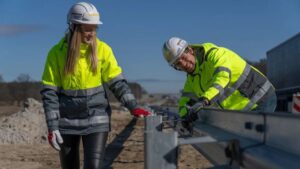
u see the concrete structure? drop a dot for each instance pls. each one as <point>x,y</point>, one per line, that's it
<point>283,62</point>
<point>283,70</point>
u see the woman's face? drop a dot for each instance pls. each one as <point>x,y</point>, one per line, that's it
<point>88,33</point>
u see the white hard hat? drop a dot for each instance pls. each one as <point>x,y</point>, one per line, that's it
<point>83,13</point>
<point>173,48</point>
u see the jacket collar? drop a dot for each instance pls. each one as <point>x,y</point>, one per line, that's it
<point>199,54</point>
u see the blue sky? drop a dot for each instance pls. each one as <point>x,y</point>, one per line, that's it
<point>136,30</point>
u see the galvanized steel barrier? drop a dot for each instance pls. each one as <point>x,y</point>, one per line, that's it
<point>229,139</point>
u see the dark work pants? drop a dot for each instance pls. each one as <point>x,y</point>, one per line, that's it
<point>93,148</point>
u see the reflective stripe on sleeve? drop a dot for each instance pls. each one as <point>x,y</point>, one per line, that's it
<point>55,88</point>
<point>220,69</point>
<point>127,97</point>
<point>119,77</point>
<point>229,90</point>
<point>220,88</point>
<point>52,115</point>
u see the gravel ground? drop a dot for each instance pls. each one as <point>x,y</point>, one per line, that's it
<point>23,143</point>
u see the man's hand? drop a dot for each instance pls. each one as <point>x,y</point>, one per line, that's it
<point>192,114</point>
<point>54,139</point>
<point>187,125</point>
<point>139,112</point>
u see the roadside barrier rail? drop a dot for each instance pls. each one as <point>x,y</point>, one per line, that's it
<point>229,139</point>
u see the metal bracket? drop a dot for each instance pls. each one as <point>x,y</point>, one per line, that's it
<point>233,151</point>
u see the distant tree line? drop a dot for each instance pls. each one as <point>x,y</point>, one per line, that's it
<point>20,89</point>
<point>24,87</point>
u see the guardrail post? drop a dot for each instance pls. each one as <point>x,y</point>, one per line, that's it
<point>161,149</point>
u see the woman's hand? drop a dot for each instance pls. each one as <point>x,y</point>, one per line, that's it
<point>139,112</point>
<point>54,139</point>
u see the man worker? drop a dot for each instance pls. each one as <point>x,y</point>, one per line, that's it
<point>217,77</point>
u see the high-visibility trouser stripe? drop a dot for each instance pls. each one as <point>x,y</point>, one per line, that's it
<point>65,122</point>
<point>258,95</point>
<point>229,90</point>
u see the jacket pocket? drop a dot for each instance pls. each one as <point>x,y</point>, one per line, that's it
<point>252,84</point>
<point>98,104</point>
<point>73,107</point>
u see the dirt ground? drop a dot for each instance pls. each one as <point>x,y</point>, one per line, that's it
<point>8,110</point>
<point>124,150</point>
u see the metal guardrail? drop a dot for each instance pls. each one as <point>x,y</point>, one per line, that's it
<point>227,138</point>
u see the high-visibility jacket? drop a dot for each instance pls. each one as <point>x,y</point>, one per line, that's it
<point>225,79</point>
<point>77,103</point>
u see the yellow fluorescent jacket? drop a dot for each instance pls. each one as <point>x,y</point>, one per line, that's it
<point>77,103</point>
<point>83,78</point>
<point>221,78</point>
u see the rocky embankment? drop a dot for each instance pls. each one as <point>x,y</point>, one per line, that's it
<point>27,126</point>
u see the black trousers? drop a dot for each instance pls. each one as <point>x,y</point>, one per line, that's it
<point>93,147</point>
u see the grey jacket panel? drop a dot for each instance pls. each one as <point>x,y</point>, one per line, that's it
<point>251,84</point>
<point>122,92</point>
<point>77,111</point>
<point>84,111</point>
<point>84,114</point>
<point>255,87</point>
<point>82,92</point>
<point>51,108</point>
<point>84,126</point>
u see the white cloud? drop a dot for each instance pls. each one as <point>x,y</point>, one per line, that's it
<point>9,30</point>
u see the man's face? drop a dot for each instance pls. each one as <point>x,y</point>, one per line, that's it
<point>186,62</point>
<point>88,33</point>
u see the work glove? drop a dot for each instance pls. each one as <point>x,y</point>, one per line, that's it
<point>139,112</point>
<point>192,111</point>
<point>54,139</point>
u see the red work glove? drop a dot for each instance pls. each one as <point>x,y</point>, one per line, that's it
<point>139,112</point>
<point>55,139</point>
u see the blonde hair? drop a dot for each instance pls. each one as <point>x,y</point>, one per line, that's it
<point>74,41</point>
